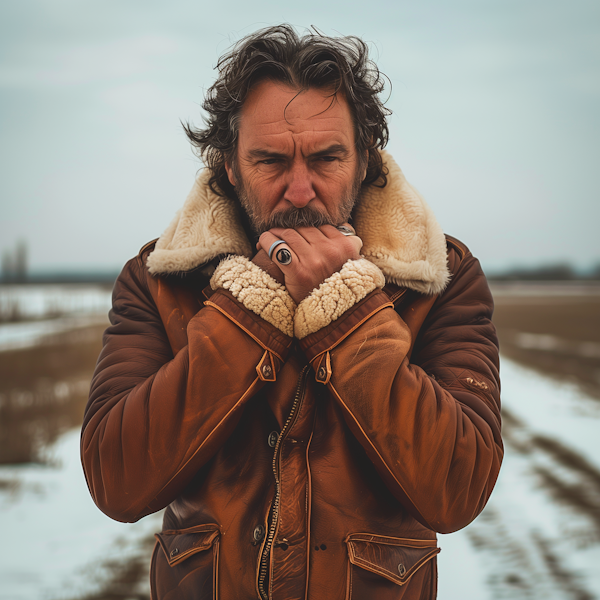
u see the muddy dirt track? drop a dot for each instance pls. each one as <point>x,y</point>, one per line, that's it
<point>558,335</point>
<point>43,390</point>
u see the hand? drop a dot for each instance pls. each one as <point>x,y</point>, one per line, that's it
<point>261,259</point>
<point>317,253</point>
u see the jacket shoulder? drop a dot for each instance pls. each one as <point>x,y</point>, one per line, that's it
<point>459,256</point>
<point>145,251</point>
<point>456,247</point>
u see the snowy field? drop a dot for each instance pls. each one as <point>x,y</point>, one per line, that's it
<point>526,544</point>
<point>539,536</point>
<point>20,302</point>
<point>29,313</point>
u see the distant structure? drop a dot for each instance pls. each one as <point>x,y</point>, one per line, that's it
<point>14,264</point>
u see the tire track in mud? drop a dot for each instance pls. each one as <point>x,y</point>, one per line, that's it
<point>121,578</point>
<point>528,562</point>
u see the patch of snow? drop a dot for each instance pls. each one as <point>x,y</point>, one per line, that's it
<point>24,335</point>
<point>461,569</point>
<point>501,555</point>
<point>53,532</point>
<point>557,410</point>
<point>551,343</point>
<point>26,302</point>
<point>51,529</point>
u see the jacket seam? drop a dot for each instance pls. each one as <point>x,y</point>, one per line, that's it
<point>354,327</point>
<point>207,438</point>
<point>378,539</point>
<point>383,462</point>
<point>233,320</point>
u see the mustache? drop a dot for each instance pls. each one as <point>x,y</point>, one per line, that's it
<point>293,218</point>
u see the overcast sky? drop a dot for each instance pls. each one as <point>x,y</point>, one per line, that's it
<point>495,120</point>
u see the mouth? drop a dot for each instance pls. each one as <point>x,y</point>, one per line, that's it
<point>293,218</point>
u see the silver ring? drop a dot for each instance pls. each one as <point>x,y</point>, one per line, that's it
<point>273,246</point>
<point>344,230</point>
<point>284,256</point>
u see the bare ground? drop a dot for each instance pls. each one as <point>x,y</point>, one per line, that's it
<point>43,391</point>
<point>558,336</point>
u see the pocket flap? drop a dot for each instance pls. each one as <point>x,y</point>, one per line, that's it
<point>183,543</point>
<point>396,559</point>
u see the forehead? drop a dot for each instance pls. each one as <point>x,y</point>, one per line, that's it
<point>274,111</point>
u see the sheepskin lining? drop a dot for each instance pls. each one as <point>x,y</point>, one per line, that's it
<point>399,232</point>
<point>257,291</point>
<point>336,295</point>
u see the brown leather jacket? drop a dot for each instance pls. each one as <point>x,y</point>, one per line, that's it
<point>315,468</point>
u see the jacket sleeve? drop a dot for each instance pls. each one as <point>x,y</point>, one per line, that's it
<point>153,419</point>
<point>429,421</point>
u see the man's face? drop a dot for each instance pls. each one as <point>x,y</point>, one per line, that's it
<point>296,162</point>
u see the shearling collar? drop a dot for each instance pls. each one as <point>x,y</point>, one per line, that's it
<point>398,229</point>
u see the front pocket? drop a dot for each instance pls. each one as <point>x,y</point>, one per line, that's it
<point>379,566</point>
<point>185,564</point>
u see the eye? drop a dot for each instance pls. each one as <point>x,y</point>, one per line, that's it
<point>327,158</point>
<point>269,161</point>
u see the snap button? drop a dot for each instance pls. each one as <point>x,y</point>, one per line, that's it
<point>401,570</point>
<point>272,439</point>
<point>259,533</point>
<point>174,552</point>
<point>322,373</point>
<point>267,371</point>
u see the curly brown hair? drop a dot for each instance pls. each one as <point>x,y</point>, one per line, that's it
<point>341,65</point>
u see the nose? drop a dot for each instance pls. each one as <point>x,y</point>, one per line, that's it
<point>299,189</point>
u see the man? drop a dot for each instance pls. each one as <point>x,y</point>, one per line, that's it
<point>311,400</point>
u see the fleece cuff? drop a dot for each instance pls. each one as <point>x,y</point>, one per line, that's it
<point>257,291</point>
<point>336,295</point>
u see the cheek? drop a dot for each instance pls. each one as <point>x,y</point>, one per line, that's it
<point>258,179</point>
<point>264,189</point>
<point>336,182</point>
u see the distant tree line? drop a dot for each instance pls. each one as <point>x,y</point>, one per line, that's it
<point>15,270</point>
<point>555,272</point>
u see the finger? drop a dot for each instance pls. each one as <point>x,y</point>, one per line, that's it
<point>358,243</point>
<point>312,235</point>
<point>330,231</point>
<point>293,238</point>
<point>266,241</point>
<point>268,266</point>
<point>281,259</point>
<point>334,233</point>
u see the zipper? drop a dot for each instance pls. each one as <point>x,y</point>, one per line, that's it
<point>264,559</point>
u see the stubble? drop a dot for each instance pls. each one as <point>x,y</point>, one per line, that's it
<point>293,218</point>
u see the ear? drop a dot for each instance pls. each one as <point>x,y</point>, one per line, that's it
<point>230,174</point>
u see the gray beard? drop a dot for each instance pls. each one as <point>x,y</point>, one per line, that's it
<point>293,218</point>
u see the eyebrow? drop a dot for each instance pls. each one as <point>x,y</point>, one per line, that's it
<point>260,153</point>
<point>333,149</point>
